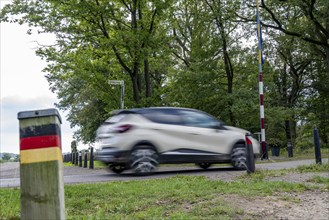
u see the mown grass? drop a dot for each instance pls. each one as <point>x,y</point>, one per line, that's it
<point>179,197</point>
<point>97,164</point>
<point>262,174</point>
<point>298,154</point>
<point>321,180</point>
<point>324,167</point>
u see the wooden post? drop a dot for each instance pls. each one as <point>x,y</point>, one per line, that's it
<point>76,158</point>
<point>317,149</point>
<point>41,165</point>
<point>91,161</point>
<point>80,159</point>
<point>85,159</point>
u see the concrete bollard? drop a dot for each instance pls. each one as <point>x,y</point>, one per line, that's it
<point>250,163</point>
<point>41,165</point>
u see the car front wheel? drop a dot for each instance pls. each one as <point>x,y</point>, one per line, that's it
<point>143,160</point>
<point>239,157</point>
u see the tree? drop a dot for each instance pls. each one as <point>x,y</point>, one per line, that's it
<point>98,40</point>
<point>6,156</point>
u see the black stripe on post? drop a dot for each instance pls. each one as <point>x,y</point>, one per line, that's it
<point>40,130</point>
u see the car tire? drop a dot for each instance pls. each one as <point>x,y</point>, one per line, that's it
<point>143,160</point>
<point>239,157</point>
<point>204,165</point>
<point>117,168</point>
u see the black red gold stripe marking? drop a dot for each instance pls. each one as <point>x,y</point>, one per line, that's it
<point>37,142</point>
<point>41,155</point>
<point>40,130</point>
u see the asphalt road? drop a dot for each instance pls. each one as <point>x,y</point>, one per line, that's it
<point>9,172</point>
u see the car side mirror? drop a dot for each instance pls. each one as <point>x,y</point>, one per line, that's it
<point>218,126</point>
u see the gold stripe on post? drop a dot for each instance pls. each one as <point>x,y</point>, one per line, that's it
<point>40,155</point>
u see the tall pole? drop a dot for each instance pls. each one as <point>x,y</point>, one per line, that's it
<point>122,84</point>
<point>261,94</point>
<point>122,93</point>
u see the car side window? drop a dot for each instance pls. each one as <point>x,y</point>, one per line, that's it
<point>163,117</point>
<point>198,119</point>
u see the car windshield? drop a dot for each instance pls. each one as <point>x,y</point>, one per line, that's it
<point>198,119</point>
<point>164,116</point>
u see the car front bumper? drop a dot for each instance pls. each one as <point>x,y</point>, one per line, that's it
<point>112,155</point>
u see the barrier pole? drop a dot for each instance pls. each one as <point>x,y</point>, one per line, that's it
<point>41,165</point>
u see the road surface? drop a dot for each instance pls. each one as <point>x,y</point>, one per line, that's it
<point>9,172</point>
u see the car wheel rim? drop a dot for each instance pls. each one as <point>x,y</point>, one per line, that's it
<point>239,157</point>
<point>143,161</point>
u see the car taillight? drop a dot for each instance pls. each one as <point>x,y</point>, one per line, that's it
<point>122,128</point>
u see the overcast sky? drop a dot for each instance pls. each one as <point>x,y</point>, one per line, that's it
<point>23,84</point>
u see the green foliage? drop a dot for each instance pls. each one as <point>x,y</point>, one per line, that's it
<point>10,203</point>
<point>189,53</point>
<point>6,156</point>
<point>322,180</point>
<point>313,168</point>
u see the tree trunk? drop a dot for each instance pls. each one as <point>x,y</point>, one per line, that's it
<point>229,74</point>
<point>147,78</point>
<point>135,88</point>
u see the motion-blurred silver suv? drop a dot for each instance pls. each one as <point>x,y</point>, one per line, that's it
<point>140,139</point>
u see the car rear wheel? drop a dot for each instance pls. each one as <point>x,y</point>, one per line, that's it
<point>117,168</point>
<point>204,165</point>
<point>143,160</point>
<point>239,157</point>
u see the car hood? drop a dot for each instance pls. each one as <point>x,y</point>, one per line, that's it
<point>240,130</point>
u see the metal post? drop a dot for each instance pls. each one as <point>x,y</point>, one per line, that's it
<point>122,84</point>
<point>41,165</point>
<point>122,93</point>
<point>317,149</point>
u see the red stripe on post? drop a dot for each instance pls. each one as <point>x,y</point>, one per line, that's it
<point>262,122</point>
<point>260,77</point>
<point>46,141</point>
<point>261,99</point>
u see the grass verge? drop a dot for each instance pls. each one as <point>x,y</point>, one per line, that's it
<point>179,197</point>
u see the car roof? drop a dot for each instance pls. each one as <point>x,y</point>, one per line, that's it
<point>143,110</point>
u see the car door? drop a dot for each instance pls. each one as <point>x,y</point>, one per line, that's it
<point>167,131</point>
<point>206,132</point>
